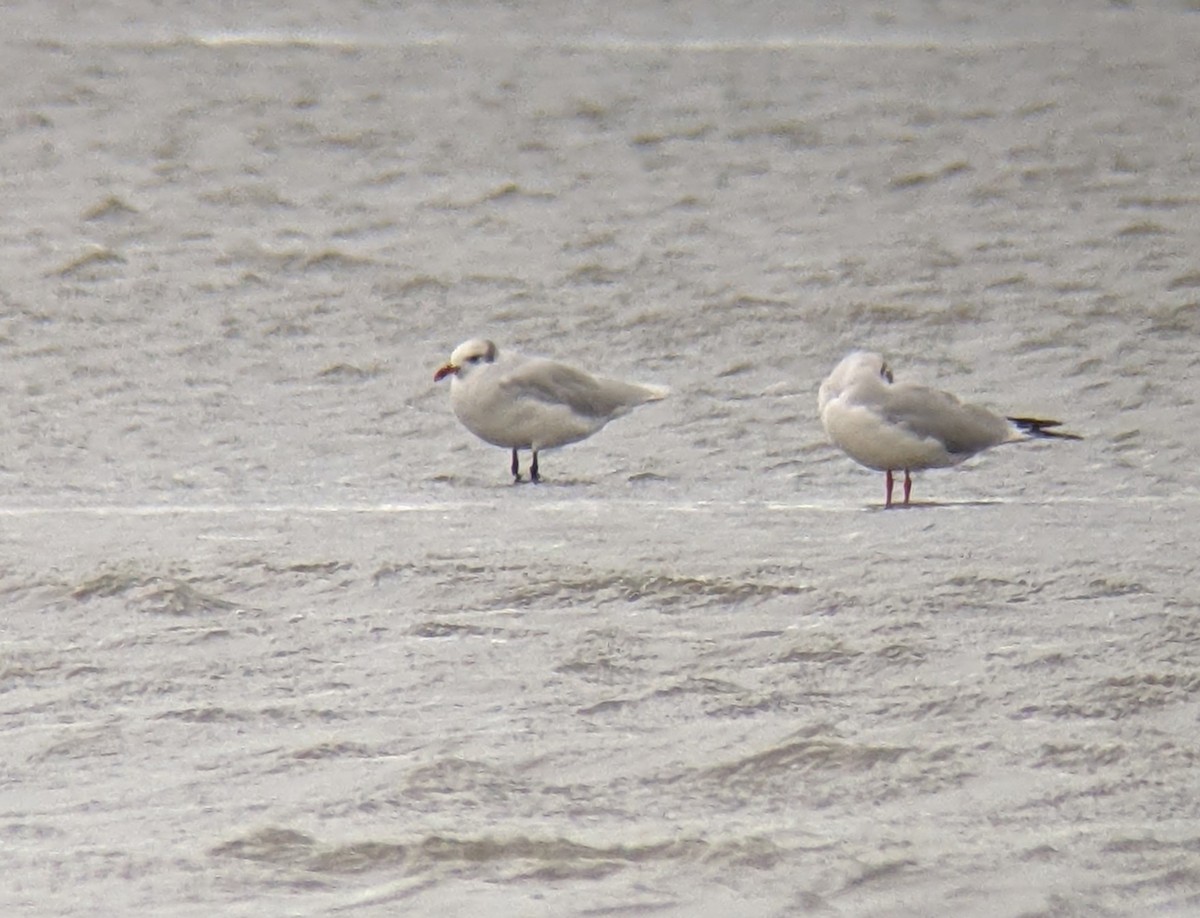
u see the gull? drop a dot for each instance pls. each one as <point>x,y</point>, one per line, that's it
<point>533,403</point>
<point>890,426</point>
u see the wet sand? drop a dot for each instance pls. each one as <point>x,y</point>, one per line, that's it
<point>281,638</point>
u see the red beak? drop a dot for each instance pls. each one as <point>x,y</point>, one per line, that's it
<point>448,370</point>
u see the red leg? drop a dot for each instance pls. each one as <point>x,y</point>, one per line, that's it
<point>907,486</point>
<point>889,483</point>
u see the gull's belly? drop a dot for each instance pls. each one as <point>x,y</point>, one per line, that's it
<point>870,441</point>
<point>520,423</point>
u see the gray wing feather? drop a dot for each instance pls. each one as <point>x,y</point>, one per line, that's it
<point>558,384</point>
<point>963,429</point>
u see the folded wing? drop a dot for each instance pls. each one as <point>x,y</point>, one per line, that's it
<point>963,429</point>
<point>583,394</point>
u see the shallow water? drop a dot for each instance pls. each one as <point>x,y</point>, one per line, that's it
<point>280,637</point>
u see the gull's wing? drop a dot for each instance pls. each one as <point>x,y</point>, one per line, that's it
<point>963,429</point>
<point>589,396</point>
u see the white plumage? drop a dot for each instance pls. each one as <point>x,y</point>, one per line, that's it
<point>533,403</point>
<point>900,426</point>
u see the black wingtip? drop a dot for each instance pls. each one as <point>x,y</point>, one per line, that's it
<point>1039,427</point>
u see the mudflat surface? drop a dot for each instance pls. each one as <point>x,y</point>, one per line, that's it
<point>279,637</point>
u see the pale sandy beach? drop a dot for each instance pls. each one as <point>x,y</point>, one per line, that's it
<point>280,637</point>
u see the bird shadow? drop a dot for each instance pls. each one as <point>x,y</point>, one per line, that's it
<point>933,505</point>
<point>547,484</point>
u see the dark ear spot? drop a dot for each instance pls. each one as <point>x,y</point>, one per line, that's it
<point>886,372</point>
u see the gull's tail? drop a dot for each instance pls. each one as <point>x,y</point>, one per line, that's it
<point>654,393</point>
<point>1037,427</point>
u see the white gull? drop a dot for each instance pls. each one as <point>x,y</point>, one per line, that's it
<point>891,427</point>
<point>532,403</point>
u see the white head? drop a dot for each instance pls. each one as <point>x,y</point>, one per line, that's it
<point>858,368</point>
<point>466,357</point>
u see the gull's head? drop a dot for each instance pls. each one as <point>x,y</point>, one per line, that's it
<point>862,365</point>
<point>465,357</point>
<point>856,370</point>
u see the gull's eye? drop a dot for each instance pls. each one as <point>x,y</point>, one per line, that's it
<point>475,358</point>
